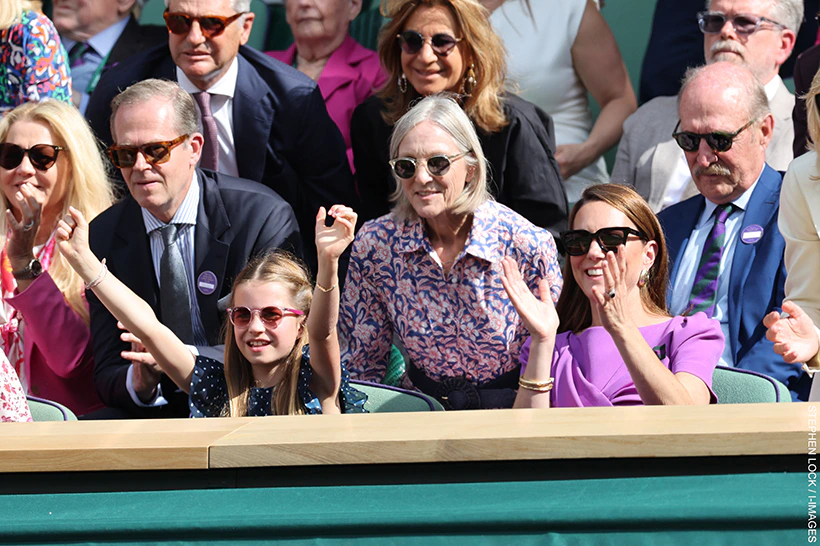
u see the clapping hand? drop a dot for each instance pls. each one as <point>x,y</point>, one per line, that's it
<point>610,300</point>
<point>538,315</point>
<point>794,336</point>
<point>72,237</point>
<point>331,241</point>
<point>20,245</point>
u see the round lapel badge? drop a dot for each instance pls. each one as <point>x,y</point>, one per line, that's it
<point>206,282</point>
<point>751,234</point>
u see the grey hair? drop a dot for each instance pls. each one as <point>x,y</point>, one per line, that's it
<point>756,102</point>
<point>444,111</point>
<point>238,5</point>
<point>186,120</point>
<point>785,12</point>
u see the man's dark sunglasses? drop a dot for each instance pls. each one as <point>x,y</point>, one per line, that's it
<point>718,140</point>
<point>210,25</point>
<point>124,157</point>
<point>412,41</point>
<point>42,156</point>
<point>712,22</point>
<point>578,241</point>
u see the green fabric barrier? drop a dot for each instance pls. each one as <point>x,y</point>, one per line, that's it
<point>758,508</point>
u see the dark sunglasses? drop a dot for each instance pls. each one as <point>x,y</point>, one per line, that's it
<point>412,41</point>
<point>241,316</point>
<point>437,165</point>
<point>712,22</point>
<point>210,25</point>
<point>42,156</point>
<point>578,241</point>
<point>718,140</point>
<point>124,157</point>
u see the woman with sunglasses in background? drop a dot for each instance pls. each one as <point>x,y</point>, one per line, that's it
<point>49,160</point>
<point>268,368</point>
<point>610,340</point>
<point>433,46</point>
<point>429,274</point>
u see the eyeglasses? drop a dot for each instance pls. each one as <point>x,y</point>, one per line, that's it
<point>712,22</point>
<point>210,25</point>
<point>437,165</point>
<point>241,317</point>
<point>717,141</point>
<point>124,157</point>
<point>412,41</point>
<point>578,241</point>
<point>42,156</point>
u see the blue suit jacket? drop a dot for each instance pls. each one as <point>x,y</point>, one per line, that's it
<point>283,135</point>
<point>756,281</point>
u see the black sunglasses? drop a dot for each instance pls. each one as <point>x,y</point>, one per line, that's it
<point>412,41</point>
<point>241,316</point>
<point>124,157</point>
<point>717,140</point>
<point>42,156</point>
<point>578,241</point>
<point>712,22</point>
<point>437,165</point>
<point>210,25</point>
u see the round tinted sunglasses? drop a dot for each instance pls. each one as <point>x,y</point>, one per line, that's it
<point>578,241</point>
<point>412,41</point>
<point>42,156</point>
<point>209,25</point>
<point>717,140</point>
<point>241,317</point>
<point>124,157</point>
<point>712,22</point>
<point>437,165</point>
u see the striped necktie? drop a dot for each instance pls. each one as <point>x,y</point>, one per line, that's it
<point>704,290</point>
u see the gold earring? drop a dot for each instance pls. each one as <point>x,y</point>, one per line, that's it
<point>403,83</point>
<point>643,278</point>
<point>469,82</point>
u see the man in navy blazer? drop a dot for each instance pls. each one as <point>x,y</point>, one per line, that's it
<point>725,128</point>
<point>271,121</point>
<point>221,221</point>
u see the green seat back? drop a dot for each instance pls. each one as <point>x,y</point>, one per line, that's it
<point>364,29</point>
<point>48,410</point>
<point>387,399</point>
<point>736,386</point>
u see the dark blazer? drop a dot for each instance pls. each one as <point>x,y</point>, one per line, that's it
<point>135,38</point>
<point>523,172</point>
<point>805,67</point>
<point>283,135</point>
<point>756,282</point>
<point>236,219</point>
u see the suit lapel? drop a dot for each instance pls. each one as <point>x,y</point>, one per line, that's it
<point>210,251</point>
<point>132,250</point>
<point>678,224</point>
<point>252,120</point>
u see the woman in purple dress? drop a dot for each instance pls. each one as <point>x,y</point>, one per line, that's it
<point>610,340</point>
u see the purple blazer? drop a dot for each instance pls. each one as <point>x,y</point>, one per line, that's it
<point>352,74</point>
<point>57,347</point>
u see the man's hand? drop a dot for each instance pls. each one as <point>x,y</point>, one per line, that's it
<point>146,373</point>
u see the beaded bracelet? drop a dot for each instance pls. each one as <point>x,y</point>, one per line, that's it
<point>99,278</point>
<point>538,386</point>
<point>326,290</point>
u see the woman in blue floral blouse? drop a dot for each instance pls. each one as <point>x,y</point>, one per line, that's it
<point>32,59</point>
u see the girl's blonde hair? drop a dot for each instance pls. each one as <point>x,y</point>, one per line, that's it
<point>88,186</point>
<point>480,45</point>
<point>285,269</point>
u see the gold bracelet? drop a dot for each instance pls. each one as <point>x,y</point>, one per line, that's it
<point>326,290</point>
<point>538,386</point>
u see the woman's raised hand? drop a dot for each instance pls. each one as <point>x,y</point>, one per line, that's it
<point>794,335</point>
<point>539,315</point>
<point>20,245</point>
<point>332,240</point>
<point>72,238</point>
<point>611,301</point>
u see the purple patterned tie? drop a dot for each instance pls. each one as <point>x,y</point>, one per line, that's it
<point>210,157</point>
<point>75,56</point>
<point>704,290</point>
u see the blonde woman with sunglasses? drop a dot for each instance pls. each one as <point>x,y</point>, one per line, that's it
<point>274,312</point>
<point>49,161</point>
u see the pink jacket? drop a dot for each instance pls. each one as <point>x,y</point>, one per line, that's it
<point>351,75</point>
<point>57,347</point>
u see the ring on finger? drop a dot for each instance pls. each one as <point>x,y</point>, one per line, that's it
<point>611,294</point>
<point>28,226</point>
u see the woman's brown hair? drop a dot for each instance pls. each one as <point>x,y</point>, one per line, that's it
<point>282,268</point>
<point>573,307</point>
<point>481,46</point>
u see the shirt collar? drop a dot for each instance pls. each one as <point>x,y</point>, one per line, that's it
<point>772,87</point>
<point>741,203</point>
<point>225,86</point>
<point>411,236</point>
<point>186,214</point>
<point>102,42</point>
